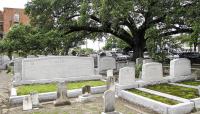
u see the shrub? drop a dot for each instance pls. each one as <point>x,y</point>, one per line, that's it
<point>138,70</point>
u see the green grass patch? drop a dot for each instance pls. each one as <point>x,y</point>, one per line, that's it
<point>154,97</point>
<point>190,82</point>
<point>42,88</point>
<point>184,92</point>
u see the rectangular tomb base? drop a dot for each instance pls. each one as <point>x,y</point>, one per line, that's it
<point>179,78</point>
<point>145,83</point>
<point>182,108</point>
<point>50,96</point>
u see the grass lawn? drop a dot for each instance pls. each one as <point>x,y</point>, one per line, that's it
<point>42,88</point>
<point>190,82</point>
<point>184,92</point>
<point>154,97</point>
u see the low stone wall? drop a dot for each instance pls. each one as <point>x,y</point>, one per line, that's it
<point>49,96</point>
<point>54,68</point>
<point>182,108</point>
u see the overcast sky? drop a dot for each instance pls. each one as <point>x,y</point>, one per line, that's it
<point>12,3</point>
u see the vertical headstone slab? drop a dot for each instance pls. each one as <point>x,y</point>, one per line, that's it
<point>110,82</point>
<point>86,89</point>
<point>17,69</point>
<point>109,101</point>
<point>198,87</point>
<point>57,67</point>
<point>17,77</point>
<point>27,103</point>
<point>152,72</point>
<point>18,65</point>
<point>139,61</point>
<point>147,61</point>
<point>127,76</point>
<point>180,67</point>
<point>62,95</point>
<point>106,63</point>
<point>109,73</point>
<point>35,100</point>
<point>62,91</point>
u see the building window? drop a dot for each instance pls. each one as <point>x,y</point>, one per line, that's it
<point>16,17</point>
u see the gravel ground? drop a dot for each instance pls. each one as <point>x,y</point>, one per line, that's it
<point>4,89</point>
<point>95,107</point>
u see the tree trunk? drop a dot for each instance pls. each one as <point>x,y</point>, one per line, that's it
<point>139,46</point>
<point>195,47</point>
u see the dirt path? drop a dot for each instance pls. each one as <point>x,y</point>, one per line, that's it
<point>4,89</point>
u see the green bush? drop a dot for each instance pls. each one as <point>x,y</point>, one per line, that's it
<point>9,69</point>
<point>138,69</point>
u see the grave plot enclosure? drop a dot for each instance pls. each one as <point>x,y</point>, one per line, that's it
<point>47,69</point>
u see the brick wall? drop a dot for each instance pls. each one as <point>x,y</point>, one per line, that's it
<point>1,24</point>
<point>8,16</point>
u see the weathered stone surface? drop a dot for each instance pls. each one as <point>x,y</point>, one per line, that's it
<point>62,95</point>
<point>85,98</point>
<point>86,89</point>
<point>106,63</point>
<point>18,65</point>
<point>110,82</point>
<point>57,67</point>
<point>35,100</point>
<point>109,101</point>
<point>139,61</point>
<point>198,87</point>
<point>180,67</point>
<point>109,73</point>
<point>152,72</point>
<point>27,103</point>
<point>127,76</point>
<point>147,61</point>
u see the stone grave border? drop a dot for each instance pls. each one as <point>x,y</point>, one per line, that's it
<point>181,108</point>
<point>50,96</point>
<point>195,100</point>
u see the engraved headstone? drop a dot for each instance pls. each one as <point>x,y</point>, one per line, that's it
<point>109,102</point>
<point>109,73</point>
<point>197,75</point>
<point>62,95</point>
<point>86,95</point>
<point>35,100</point>
<point>27,103</point>
<point>127,76</point>
<point>54,69</point>
<point>198,87</point>
<point>17,77</point>
<point>152,72</point>
<point>86,89</point>
<point>110,82</point>
<point>147,61</point>
<point>106,63</point>
<point>180,67</point>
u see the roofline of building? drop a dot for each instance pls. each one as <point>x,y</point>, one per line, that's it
<point>12,8</point>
